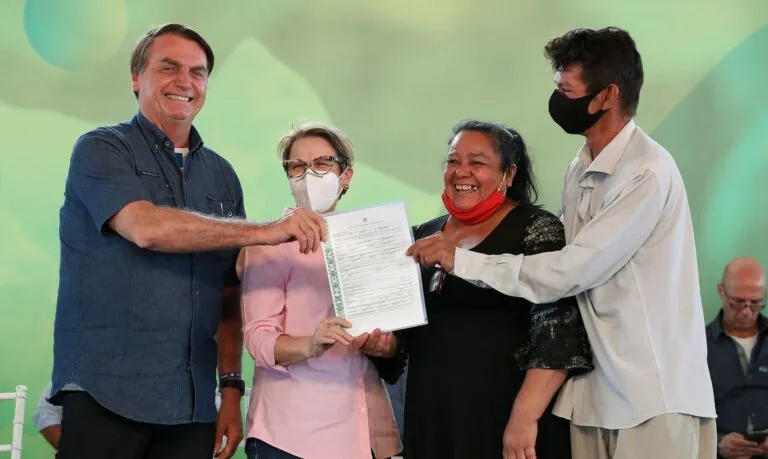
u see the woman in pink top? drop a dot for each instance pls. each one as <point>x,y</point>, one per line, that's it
<point>316,393</point>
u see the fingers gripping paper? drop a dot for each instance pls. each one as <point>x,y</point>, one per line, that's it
<point>373,283</point>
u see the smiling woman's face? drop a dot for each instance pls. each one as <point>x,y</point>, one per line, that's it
<point>473,169</point>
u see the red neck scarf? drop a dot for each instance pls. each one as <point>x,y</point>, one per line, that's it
<point>478,213</point>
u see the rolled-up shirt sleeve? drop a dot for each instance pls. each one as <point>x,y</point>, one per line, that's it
<point>46,414</point>
<point>263,281</point>
<point>602,247</point>
<point>102,176</point>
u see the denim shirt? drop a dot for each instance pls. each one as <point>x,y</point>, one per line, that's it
<point>135,328</point>
<point>739,395</point>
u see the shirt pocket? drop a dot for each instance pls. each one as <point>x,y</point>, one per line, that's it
<point>224,208</point>
<point>158,189</point>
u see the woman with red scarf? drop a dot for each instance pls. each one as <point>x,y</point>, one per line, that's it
<point>483,374</point>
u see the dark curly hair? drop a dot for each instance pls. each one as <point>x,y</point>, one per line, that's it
<point>606,56</point>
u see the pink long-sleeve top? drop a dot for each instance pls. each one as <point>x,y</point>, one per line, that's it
<point>331,407</point>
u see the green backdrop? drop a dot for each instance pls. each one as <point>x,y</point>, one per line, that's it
<point>395,76</point>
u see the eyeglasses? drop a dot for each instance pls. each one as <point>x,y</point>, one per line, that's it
<point>739,305</point>
<point>321,165</point>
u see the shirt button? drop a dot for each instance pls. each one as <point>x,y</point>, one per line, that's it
<point>167,143</point>
<point>197,292</point>
<point>229,214</point>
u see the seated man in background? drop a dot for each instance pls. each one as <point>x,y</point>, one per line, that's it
<point>738,361</point>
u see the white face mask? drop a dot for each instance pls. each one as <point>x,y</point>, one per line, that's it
<point>317,193</point>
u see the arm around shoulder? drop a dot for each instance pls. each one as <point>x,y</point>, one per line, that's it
<point>602,247</point>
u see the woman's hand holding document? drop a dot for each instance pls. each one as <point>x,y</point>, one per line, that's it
<point>373,283</point>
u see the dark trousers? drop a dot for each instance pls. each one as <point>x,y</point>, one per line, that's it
<point>257,449</point>
<point>89,431</point>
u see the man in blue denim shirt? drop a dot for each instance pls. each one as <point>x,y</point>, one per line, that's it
<point>149,301</point>
<point>738,361</point>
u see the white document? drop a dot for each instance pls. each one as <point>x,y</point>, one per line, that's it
<point>373,283</point>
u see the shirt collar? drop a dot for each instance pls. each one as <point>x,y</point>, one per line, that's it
<point>157,139</point>
<point>607,160</point>
<point>716,327</point>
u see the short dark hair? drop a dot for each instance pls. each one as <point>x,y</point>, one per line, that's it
<point>511,150</point>
<point>141,51</point>
<point>606,56</point>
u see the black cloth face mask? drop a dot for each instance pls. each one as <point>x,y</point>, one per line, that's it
<point>573,114</point>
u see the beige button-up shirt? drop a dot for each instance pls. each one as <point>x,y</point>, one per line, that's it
<point>630,260</point>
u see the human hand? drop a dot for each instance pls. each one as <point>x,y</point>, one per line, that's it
<point>376,344</point>
<point>327,333</point>
<point>299,224</point>
<point>734,446</point>
<point>433,250</point>
<point>229,423</point>
<point>520,438</point>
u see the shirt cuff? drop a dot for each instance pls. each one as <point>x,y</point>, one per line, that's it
<point>499,272</point>
<point>265,355</point>
<point>46,420</point>
<point>467,264</point>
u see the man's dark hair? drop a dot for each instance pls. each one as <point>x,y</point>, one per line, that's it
<point>141,52</point>
<point>606,56</point>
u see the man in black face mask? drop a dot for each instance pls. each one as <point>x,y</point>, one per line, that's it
<point>630,261</point>
<point>625,209</point>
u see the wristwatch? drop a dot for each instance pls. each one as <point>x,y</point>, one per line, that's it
<point>232,380</point>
